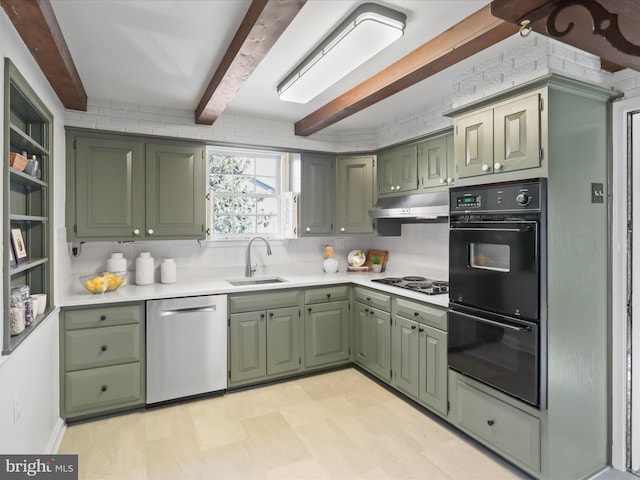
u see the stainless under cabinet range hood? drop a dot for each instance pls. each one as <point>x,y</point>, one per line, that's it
<point>390,212</point>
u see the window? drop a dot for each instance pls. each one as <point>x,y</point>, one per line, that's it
<point>245,188</point>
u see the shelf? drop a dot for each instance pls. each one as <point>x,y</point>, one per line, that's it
<point>25,179</point>
<point>16,340</point>
<point>23,267</point>
<point>21,141</point>
<point>27,218</point>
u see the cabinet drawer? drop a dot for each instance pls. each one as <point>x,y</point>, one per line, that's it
<point>508,429</point>
<point>373,298</point>
<point>102,388</point>
<point>98,347</point>
<point>326,294</point>
<point>102,316</point>
<point>251,302</point>
<point>420,312</point>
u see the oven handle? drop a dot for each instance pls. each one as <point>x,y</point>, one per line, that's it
<point>516,230</point>
<point>492,322</point>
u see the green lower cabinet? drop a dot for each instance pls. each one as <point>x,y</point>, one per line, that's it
<point>247,346</point>
<point>419,361</point>
<point>102,359</point>
<point>509,427</point>
<point>263,344</point>
<point>326,333</point>
<point>373,340</point>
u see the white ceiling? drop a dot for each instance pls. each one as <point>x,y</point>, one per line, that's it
<point>164,53</point>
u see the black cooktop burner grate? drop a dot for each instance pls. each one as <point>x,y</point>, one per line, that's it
<point>417,284</point>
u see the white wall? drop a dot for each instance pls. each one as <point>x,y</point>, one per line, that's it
<point>31,372</point>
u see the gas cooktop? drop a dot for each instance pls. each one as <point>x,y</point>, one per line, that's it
<point>417,284</point>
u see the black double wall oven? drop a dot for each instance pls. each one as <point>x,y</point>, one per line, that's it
<point>497,286</point>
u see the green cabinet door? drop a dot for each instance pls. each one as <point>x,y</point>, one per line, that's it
<point>473,144</point>
<point>247,346</point>
<point>283,340</point>
<point>326,333</point>
<point>318,195</point>
<point>355,194</point>
<point>109,188</point>
<point>405,360</point>
<point>435,166</point>
<point>397,170</point>
<point>433,368</point>
<point>175,191</point>
<point>373,340</point>
<point>516,133</point>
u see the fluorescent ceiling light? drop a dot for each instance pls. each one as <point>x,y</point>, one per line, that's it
<point>368,30</point>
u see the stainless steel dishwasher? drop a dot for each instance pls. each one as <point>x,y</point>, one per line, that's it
<point>186,347</point>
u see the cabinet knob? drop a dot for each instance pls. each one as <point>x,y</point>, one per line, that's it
<point>150,231</point>
<point>270,314</point>
<point>262,315</point>
<point>328,295</point>
<point>136,231</point>
<point>442,180</point>
<point>449,180</point>
<point>342,229</point>
<point>497,166</point>
<point>309,309</point>
<point>485,168</point>
<point>368,299</point>
<point>308,229</point>
<point>104,388</point>
<point>393,188</point>
<point>490,423</point>
<point>416,314</point>
<point>103,317</point>
<point>413,327</point>
<point>103,348</point>
<point>421,329</point>
<point>397,187</point>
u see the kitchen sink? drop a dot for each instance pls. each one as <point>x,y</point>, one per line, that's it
<point>255,281</point>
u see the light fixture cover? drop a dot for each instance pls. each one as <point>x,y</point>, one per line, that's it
<point>369,29</point>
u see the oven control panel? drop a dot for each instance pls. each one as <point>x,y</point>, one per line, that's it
<point>526,195</point>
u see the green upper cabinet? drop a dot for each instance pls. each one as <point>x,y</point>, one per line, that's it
<point>435,162</point>
<point>175,191</point>
<point>109,201</point>
<point>355,194</point>
<point>317,194</point>
<point>503,138</point>
<point>397,170</point>
<point>123,188</point>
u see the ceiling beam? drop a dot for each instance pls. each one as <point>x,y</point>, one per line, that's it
<point>468,37</point>
<point>36,23</point>
<point>606,28</point>
<point>260,29</point>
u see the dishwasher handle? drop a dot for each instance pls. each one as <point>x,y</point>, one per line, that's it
<point>180,311</point>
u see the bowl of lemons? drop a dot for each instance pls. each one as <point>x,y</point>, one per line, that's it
<point>103,282</point>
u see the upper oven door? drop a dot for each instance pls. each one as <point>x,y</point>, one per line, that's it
<point>495,266</point>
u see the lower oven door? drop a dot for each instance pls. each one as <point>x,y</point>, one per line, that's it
<point>503,353</point>
<point>495,266</point>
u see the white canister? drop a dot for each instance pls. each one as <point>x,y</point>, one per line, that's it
<point>168,271</point>
<point>144,269</point>
<point>117,263</point>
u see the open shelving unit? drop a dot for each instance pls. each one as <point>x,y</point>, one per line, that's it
<point>27,200</point>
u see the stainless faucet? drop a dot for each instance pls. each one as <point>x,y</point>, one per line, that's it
<point>250,269</point>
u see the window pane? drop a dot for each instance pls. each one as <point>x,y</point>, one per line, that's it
<point>266,224</point>
<point>220,164</point>
<point>244,205</point>
<point>267,206</point>
<point>244,185</point>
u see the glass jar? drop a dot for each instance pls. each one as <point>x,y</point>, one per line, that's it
<point>16,311</point>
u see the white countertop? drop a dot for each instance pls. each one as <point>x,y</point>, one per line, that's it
<point>211,282</point>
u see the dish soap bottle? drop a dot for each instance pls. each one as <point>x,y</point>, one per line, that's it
<point>168,271</point>
<point>144,269</point>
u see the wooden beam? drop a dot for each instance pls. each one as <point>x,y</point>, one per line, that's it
<point>36,23</point>
<point>261,27</point>
<point>606,28</point>
<point>472,35</point>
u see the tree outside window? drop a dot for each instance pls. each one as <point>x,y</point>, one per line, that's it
<point>245,192</point>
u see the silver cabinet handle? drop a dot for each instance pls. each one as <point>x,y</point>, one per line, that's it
<point>136,231</point>
<point>150,231</point>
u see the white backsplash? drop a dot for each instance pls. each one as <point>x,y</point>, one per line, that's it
<point>421,249</point>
